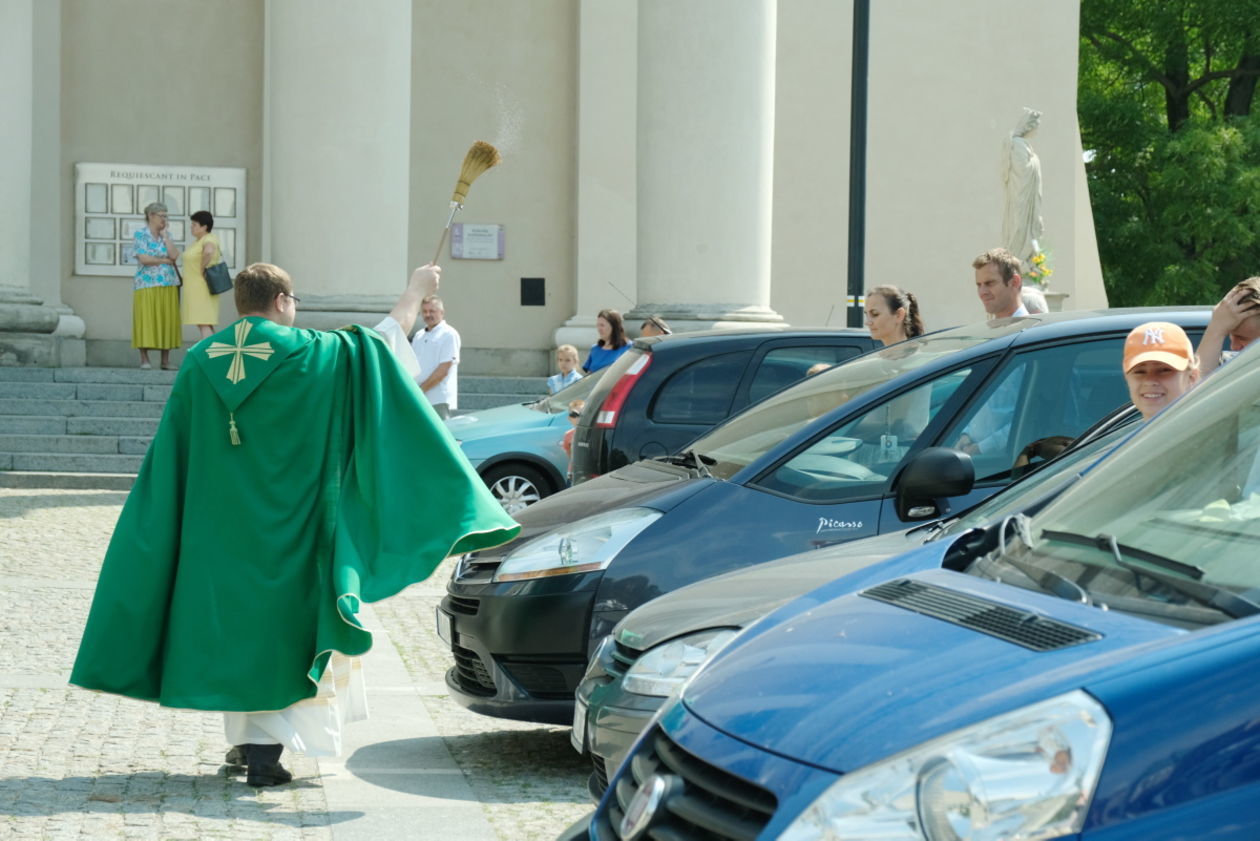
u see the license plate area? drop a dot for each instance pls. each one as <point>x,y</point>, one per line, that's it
<point>445,626</point>
<point>577,736</point>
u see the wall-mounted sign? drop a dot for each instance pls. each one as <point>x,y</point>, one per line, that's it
<point>109,203</point>
<point>476,242</point>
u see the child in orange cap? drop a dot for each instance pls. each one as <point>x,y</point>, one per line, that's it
<point>1159,366</point>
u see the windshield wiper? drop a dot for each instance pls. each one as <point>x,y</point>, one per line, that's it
<point>1108,543</point>
<point>691,458</point>
<point>1047,579</point>
<point>700,461</point>
<point>1219,598</point>
<point>1051,581</point>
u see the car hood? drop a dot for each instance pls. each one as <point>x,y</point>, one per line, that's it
<point>739,598</point>
<point>503,420</point>
<point>645,483</point>
<point>838,680</point>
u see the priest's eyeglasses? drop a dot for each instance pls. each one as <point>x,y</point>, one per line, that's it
<point>294,298</point>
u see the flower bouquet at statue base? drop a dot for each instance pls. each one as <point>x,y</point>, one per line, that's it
<point>1039,270</point>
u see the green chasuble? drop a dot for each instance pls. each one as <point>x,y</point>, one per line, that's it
<point>294,472</point>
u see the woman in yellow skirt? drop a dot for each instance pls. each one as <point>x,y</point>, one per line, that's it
<point>155,299</point>
<point>199,306</point>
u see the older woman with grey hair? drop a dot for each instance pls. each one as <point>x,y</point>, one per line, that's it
<point>155,297</point>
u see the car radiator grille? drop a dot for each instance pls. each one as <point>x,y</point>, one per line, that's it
<point>1018,626</point>
<point>703,803</point>
<point>470,673</point>
<point>623,657</point>
<point>600,776</point>
<point>477,565</point>
<point>459,604</point>
<point>541,680</point>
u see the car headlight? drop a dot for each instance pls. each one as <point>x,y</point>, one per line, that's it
<point>588,544</point>
<point>1027,774</point>
<point>663,668</point>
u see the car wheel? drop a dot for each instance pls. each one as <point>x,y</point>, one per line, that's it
<point>516,486</point>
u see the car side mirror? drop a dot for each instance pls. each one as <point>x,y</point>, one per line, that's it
<point>934,473</point>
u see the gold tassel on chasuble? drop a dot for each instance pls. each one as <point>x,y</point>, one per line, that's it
<point>236,369</point>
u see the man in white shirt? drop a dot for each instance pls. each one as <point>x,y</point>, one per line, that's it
<point>998,283</point>
<point>437,352</point>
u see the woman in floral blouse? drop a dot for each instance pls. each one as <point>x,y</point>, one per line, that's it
<point>155,300</point>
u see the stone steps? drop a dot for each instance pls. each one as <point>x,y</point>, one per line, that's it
<point>478,393</point>
<point>70,463</point>
<point>80,422</point>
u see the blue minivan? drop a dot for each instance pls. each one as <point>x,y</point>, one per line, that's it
<point>1086,673</point>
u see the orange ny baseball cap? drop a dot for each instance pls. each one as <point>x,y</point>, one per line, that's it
<point>1160,341</point>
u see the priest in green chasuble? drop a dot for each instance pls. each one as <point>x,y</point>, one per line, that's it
<point>294,474</point>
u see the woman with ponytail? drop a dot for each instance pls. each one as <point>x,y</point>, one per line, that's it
<point>892,315</point>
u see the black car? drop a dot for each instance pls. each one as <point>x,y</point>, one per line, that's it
<point>668,390</point>
<point>906,434</point>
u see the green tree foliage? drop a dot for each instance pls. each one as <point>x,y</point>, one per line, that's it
<point>1165,103</point>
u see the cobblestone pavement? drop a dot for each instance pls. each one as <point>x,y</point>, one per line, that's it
<point>78,764</point>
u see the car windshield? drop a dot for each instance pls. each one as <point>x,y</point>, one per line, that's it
<point>752,433</point>
<point>559,402</point>
<point>1169,525</point>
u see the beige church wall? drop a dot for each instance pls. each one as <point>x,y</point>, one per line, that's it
<point>948,83</point>
<point>811,161</point>
<point>155,82</point>
<point>505,73</point>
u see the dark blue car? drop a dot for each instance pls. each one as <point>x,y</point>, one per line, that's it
<point>893,438</point>
<point>1087,673</point>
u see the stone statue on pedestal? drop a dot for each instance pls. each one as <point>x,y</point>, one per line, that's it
<point>1022,225</point>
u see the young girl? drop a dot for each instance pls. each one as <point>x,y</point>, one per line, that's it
<point>567,362</point>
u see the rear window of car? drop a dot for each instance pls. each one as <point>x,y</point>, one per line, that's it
<point>702,391</point>
<point>785,365</point>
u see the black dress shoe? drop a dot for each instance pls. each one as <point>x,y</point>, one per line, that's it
<point>264,766</point>
<point>237,757</point>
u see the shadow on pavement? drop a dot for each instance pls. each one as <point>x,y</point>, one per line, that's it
<point>208,796</point>
<point>16,505</point>
<point>502,766</point>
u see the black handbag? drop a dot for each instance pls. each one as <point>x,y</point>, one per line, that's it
<point>218,278</point>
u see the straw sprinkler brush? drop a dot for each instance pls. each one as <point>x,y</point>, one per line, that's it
<point>481,156</point>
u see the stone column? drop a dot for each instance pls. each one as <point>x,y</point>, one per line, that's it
<point>336,154</point>
<point>29,328</point>
<point>606,251</point>
<point>705,161</point>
